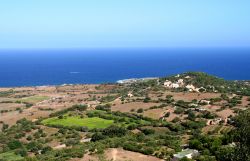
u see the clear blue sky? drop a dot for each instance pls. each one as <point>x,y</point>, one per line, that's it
<point>124,23</point>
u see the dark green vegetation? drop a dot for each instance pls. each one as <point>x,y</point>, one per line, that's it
<point>147,141</point>
<point>232,146</point>
<point>206,82</point>
<point>6,93</point>
<point>211,83</point>
<point>133,131</point>
<point>120,134</point>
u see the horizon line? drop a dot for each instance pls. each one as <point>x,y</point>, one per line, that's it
<point>121,47</point>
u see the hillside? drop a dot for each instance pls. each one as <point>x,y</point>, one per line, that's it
<point>147,119</point>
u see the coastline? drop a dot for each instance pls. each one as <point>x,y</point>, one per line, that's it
<point>121,81</point>
<point>133,80</point>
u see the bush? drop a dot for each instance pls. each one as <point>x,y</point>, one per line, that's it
<point>191,116</point>
<point>167,114</point>
<point>60,117</point>
<point>195,144</point>
<point>80,107</point>
<point>176,119</point>
<point>148,131</point>
<point>15,144</point>
<point>178,110</point>
<point>106,107</point>
<point>22,152</point>
<point>113,131</point>
<point>146,100</point>
<point>140,110</point>
<point>97,136</point>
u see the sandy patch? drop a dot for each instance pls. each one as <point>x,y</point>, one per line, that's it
<point>120,155</point>
<point>225,113</point>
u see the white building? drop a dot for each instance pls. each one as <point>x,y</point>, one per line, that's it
<point>189,153</point>
<point>180,82</point>
<point>167,83</point>
<point>130,95</point>
<point>175,85</point>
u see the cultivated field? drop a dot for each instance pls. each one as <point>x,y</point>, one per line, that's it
<point>69,121</point>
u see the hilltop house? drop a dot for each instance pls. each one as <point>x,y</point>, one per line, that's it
<point>167,83</point>
<point>178,84</point>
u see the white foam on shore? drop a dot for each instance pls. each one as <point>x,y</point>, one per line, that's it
<point>132,80</point>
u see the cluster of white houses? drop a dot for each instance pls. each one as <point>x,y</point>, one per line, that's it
<point>180,83</point>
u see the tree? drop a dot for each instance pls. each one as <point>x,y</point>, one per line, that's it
<point>191,116</point>
<point>225,154</point>
<point>97,136</point>
<point>241,136</point>
<point>195,144</point>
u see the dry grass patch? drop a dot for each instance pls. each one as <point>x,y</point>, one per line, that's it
<point>154,113</point>
<point>191,96</point>
<point>119,155</point>
<point>225,113</point>
<point>127,107</point>
<point>10,106</point>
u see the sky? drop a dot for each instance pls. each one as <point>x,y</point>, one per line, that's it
<point>124,23</point>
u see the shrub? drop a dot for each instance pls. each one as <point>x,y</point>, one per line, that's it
<point>148,131</point>
<point>146,100</point>
<point>22,152</point>
<point>167,114</point>
<point>191,116</point>
<point>15,144</point>
<point>140,110</point>
<point>179,110</point>
<point>113,131</point>
<point>105,107</point>
<point>60,117</point>
<point>80,107</point>
<point>97,136</point>
<point>176,119</point>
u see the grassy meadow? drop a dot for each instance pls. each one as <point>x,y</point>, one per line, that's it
<point>91,123</point>
<point>10,156</point>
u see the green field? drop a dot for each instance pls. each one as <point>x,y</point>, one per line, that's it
<point>91,123</point>
<point>34,99</point>
<point>10,156</point>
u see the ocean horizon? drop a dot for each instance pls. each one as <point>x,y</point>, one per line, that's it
<point>94,66</point>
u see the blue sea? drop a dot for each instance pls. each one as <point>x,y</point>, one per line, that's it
<point>77,66</point>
